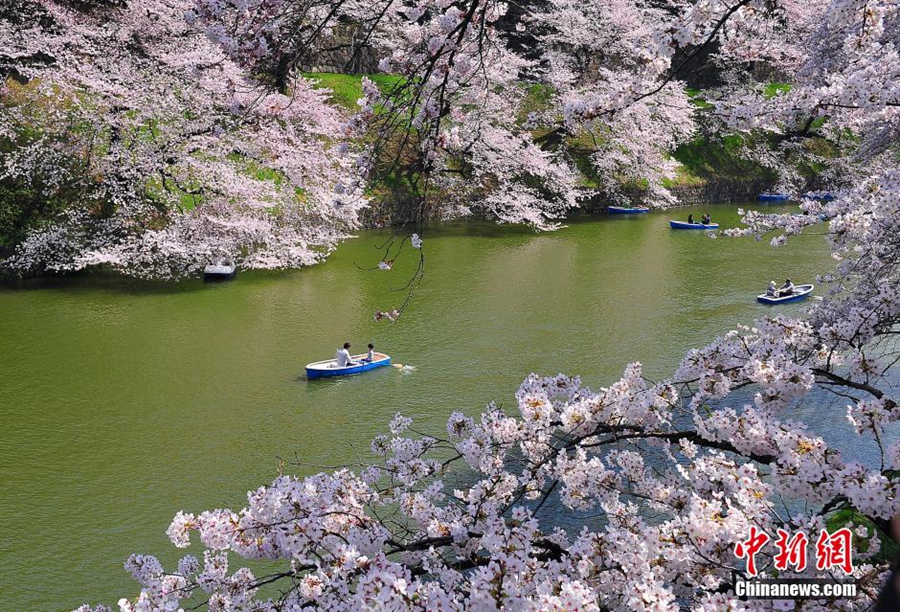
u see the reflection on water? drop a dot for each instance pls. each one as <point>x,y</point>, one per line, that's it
<point>123,402</point>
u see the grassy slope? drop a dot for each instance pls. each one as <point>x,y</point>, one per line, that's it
<point>346,89</point>
<point>704,159</point>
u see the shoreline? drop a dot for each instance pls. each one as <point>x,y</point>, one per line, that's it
<point>118,281</point>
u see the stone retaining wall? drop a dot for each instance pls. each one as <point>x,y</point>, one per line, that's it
<point>721,192</point>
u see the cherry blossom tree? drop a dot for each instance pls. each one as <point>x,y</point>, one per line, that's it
<point>175,154</point>
<point>633,496</point>
<point>457,125</point>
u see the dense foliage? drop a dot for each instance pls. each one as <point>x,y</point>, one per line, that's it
<point>154,151</point>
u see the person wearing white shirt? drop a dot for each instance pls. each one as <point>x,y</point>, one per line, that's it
<point>787,288</point>
<point>342,357</point>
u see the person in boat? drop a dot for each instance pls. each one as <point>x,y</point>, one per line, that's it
<point>786,289</point>
<point>772,291</point>
<point>691,219</point>
<point>371,356</point>
<point>342,357</point>
<point>706,219</point>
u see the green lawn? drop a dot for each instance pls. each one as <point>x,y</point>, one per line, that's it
<point>773,89</point>
<point>346,89</point>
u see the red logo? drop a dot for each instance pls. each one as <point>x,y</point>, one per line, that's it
<point>750,547</point>
<point>832,550</point>
<point>791,551</point>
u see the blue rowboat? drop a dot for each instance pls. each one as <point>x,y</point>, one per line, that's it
<point>219,271</point>
<point>693,226</point>
<point>773,197</point>
<point>328,368</point>
<point>801,292</point>
<point>622,210</point>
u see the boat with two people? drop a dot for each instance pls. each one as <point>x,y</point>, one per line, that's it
<point>705,224</point>
<point>785,294</point>
<point>345,364</point>
<point>329,368</point>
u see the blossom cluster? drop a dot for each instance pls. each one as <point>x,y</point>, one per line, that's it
<point>170,154</point>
